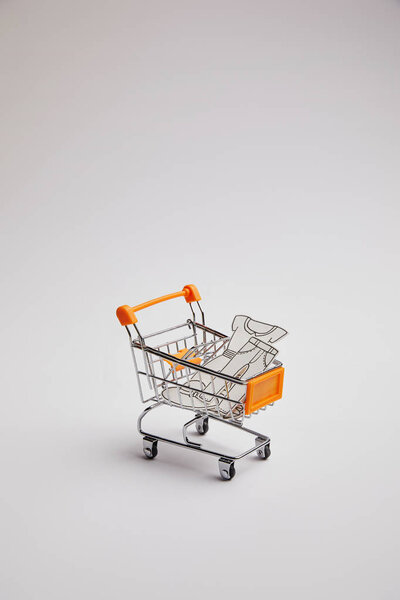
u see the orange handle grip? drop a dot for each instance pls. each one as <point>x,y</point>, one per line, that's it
<point>126,314</point>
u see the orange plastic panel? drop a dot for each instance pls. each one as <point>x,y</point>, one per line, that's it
<point>264,389</point>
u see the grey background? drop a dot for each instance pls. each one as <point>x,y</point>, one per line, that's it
<point>251,148</point>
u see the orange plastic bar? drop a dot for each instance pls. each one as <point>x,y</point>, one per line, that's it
<point>126,314</point>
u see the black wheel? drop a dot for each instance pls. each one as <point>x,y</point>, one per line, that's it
<point>264,452</point>
<point>227,470</point>
<point>202,426</point>
<point>150,448</point>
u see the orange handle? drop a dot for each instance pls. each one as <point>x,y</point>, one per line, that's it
<point>126,314</point>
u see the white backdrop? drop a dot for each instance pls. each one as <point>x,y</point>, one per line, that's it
<point>250,148</point>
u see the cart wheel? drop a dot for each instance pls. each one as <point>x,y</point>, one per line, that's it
<point>226,469</point>
<point>202,426</point>
<point>264,452</point>
<point>150,447</point>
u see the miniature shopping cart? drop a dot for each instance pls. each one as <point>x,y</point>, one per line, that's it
<point>171,368</point>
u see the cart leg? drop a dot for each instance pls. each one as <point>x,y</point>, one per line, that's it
<point>226,468</point>
<point>150,447</point>
<point>264,451</point>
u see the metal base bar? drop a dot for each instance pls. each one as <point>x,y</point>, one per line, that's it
<point>261,440</point>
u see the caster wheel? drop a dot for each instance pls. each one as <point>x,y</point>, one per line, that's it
<point>226,469</point>
<point>264,452</point>
<point>150,447</point>
<point>202,426</point>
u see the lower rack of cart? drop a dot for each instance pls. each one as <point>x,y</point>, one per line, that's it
<point>200,422</point>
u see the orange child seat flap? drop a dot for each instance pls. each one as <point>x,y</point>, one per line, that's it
<point>185,354</point>
<point>264,389</point>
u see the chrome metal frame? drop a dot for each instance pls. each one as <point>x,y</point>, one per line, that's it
<point>182,380</point>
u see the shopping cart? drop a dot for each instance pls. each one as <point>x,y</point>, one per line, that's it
<point>171,369</point>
